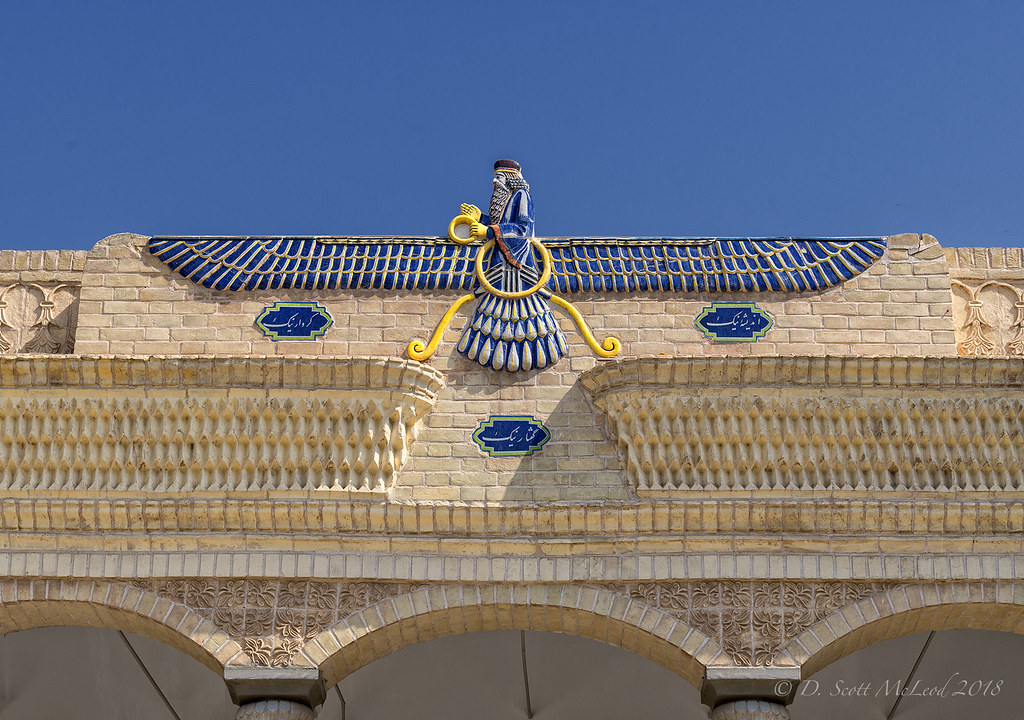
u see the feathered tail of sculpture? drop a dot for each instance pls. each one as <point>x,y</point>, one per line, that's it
<point>513,334</point>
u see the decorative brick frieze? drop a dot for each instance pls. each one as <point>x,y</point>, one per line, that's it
<point>199,424</point>
<point>687,424</point>
<point>339,626</point>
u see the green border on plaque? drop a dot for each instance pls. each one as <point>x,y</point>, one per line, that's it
<point>512,446</point>
<point>737,329</point>
<point>295,322</point>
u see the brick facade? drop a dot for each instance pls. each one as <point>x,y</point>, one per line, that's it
<point>167,469</point>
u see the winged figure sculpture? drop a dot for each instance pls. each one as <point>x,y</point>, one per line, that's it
<point>514,274</point>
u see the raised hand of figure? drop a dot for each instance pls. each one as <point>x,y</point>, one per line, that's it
<point>477,229</point>
<point>472,210</point>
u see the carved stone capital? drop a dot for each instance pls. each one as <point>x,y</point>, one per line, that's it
<point>749,710</point>
<point>275,710</point>
<point>250,686</point>
<point>724,687</point>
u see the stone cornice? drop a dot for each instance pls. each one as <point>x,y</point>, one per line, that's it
<point>207,372</point>
<point>763,516</point>
<point>801,372</point>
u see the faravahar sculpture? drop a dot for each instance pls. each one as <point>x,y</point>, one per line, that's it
<point>514,275</point>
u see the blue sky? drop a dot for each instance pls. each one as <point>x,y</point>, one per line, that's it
<point>647,118</point>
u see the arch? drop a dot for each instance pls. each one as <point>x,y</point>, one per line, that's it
<point>440,611</point>
<point>908,609</point>
<point>29,604</point>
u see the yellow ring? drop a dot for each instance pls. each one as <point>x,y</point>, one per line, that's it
<point>545,256</point>
<point>460,220</point>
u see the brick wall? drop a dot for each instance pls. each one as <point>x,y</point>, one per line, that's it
<point>132,304</point>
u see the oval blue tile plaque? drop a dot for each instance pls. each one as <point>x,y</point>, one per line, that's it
<point>511,435</point>
<point>734,322</point>
<point>294,321</point>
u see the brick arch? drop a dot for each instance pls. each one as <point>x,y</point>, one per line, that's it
<point>905,610</point>
<point>443,610</point>
<point>29,604</point>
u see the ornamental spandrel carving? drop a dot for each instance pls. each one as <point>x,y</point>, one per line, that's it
<point>38,318</point>
<point>751,620</point>
<point>273,619</point>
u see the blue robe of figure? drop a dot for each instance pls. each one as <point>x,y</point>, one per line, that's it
<point>519,334</point>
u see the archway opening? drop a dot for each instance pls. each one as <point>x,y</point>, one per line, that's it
<point>481,674</point>
<point>94,673</point>
<point>935,675</point>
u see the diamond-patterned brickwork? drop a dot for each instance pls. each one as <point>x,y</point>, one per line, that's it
<point>353,433</point>
<point>825,433</point>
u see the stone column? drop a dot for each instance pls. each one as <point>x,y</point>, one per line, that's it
<point>749,693</point>
<point>750,710</point>
<point>275,710</point>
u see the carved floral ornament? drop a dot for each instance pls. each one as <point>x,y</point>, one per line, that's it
<point>1002,332</point>
<point>751,620</point>
<point>37,318</point>
<point>272,618</point>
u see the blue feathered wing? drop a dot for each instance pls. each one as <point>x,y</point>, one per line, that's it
<point>519,333</point>
<point>578,264</point>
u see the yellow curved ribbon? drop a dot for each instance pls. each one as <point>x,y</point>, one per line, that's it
<point>544,276</point>
<point>418,351</point>
<point>608,348</point>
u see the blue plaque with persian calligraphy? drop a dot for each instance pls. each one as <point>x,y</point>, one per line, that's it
<point>511,435</point>
<point>734,322</point>
<point>294,321</point>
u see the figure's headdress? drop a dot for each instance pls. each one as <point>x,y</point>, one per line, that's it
<point>512,180</point>
<point>507,166</point>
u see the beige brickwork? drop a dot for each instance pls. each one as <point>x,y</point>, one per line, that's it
<point>168,470</point>
<point>133,304</point>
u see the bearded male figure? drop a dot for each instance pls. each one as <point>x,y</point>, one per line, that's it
<point>513,328</point>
